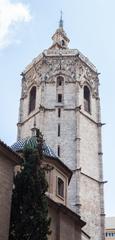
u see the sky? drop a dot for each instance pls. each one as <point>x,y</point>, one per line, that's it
<point>26,28</point>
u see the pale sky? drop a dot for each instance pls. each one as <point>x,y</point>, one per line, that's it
<point>26,28</point>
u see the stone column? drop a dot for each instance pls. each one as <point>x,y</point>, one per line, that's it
<point>77,163</point>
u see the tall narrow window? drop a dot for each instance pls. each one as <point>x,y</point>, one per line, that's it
<point>60,187</point>
<point>59,98</point>
<point>60,81</point>
<point>58,151</point>
<point>59,112</point>
<point>32,99</point>
<point>58,130</point>
<point>87,99</point>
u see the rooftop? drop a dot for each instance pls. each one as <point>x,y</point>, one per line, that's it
<point>32,142</point>
<point>11,154</point>
<point>110,222</point>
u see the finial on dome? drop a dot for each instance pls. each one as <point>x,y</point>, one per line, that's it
<point>61,20</point>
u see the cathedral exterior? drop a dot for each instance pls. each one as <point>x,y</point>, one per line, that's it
<point>60,92</point>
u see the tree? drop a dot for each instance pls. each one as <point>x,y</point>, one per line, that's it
<point>29,211</point>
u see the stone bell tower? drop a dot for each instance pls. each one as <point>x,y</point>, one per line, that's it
<point>60,90</point>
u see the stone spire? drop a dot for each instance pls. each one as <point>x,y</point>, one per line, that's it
<point>61,21</point>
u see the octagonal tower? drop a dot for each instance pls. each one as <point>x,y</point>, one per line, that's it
<point>60,88</point>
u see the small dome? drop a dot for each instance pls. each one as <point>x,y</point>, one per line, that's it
<point>31,142</point>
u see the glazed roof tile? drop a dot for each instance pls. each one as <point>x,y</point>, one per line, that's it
<point>32,142</point>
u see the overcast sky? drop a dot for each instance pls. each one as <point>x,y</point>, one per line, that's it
<point>26,28</point>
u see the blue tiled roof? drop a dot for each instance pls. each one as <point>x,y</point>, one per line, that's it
<point>32,142</point>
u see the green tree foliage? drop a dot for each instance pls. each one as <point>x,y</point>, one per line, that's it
<point>29,211</point>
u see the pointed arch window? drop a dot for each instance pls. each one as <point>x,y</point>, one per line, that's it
<point>60,81</point>
<point>87,106</point>
<point>32,99</point>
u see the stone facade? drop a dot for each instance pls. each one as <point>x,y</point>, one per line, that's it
<point>80,130</point>
<point>8,159</point>
<point>65,224</point>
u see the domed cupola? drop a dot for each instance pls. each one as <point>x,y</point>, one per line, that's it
<point>31,143</point>
<point>58,175</point>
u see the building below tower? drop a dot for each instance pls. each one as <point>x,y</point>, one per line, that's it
<point>65,224</point>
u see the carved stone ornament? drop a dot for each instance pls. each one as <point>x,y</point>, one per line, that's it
<point>33,76</point>
<point>24,88</point>
<point>60,65</point>
<point>44,71</point>
<point>85,75</point>
<point>27,83</point>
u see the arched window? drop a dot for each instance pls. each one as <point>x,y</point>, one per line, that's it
<point>60,81</point>
<point>63,43</point>
<point>87,107</point>
<point>32,99</point>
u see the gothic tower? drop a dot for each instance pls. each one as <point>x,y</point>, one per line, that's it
<point>60,89</point>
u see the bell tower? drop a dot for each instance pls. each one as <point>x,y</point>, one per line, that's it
<point>60,88</point>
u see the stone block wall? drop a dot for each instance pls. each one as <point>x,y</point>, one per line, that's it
<point>90,206</point>
<point>64,223</point>
<point>6,184</point>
